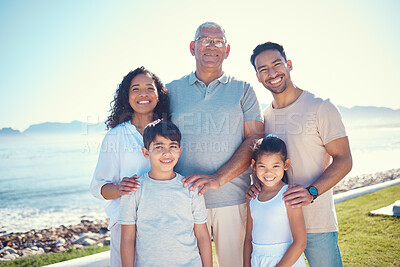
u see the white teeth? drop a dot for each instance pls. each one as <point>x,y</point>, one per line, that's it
<point>166,161</point>
<point>277,80</point>
<point>269,178</point>
<point>144,102</point>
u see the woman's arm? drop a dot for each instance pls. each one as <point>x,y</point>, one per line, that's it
<point>248,247</point>
<point>128,238</point>
<point>125,187</point>
<point>298,228</point>
<point>204,244</point>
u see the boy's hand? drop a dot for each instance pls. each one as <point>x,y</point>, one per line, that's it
<point>254,190</point>
<point>203,181</point>
<point>128,185</point>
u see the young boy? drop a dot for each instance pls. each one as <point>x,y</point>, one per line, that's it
<point>163,223</point>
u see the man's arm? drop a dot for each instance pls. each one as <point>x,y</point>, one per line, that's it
<point>237,164</point>
<point>128,238</point>
<point>342,162</point>
<point>204,244</point>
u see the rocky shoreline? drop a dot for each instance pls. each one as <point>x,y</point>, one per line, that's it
<point>350,183</point>
<point>53,240</point>
<point>86,233</point>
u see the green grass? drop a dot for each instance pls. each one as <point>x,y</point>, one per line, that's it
<point>46,259</point>
<point>364,240</point>
<point>368,240</point>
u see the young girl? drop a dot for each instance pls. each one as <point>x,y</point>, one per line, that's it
<point>140,98</point>
<point>275,234</point>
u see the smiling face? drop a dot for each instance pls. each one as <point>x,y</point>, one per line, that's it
<point>210,56</point>
<point>273,71</point>
<point>143,94</point>
<point>163,154</point>
<point>270,168</point>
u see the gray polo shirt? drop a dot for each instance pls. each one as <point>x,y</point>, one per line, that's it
<point>211,119</point>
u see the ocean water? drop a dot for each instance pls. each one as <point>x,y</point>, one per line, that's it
<point>44,181</point>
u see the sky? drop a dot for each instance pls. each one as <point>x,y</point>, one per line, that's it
<point>62,60</point>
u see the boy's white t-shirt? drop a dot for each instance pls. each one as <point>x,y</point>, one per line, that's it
<point>164,213</point>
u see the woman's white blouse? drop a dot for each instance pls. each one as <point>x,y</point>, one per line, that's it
<point>120,156</point>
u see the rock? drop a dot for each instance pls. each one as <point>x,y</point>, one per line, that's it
<point>9,250</point>
<point>107,241</point>
<point>103,230</point>
<point>77,246</point>
<point>60,242</point>
<point>10,257</point>
<point>88,242</point>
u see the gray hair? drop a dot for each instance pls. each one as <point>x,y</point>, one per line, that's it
<point>209,24</point>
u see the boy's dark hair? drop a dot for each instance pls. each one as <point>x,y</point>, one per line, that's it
<point>162,128</point>
<point>271,144</point>
<point>266,46</point>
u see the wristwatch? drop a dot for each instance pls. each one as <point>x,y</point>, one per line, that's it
<point>313,192</point>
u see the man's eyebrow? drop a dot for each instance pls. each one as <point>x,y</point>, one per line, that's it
<point>276,60</point>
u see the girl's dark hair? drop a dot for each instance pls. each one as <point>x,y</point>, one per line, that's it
<point>271,144</point>
<point>121,110</point>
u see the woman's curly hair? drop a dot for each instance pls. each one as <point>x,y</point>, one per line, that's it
<point>121,110</point>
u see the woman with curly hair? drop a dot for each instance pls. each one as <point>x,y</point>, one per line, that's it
<point>140,99</point>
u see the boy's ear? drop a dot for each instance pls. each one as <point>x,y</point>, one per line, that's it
<point>252,163</point>
<point>287,164</point>
<point>145,152</point>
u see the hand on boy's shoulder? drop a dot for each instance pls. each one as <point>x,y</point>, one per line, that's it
<point>201,181</point>
<point>128,185</point>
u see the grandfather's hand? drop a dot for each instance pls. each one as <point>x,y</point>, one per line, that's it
<point>297,196</point>
<point>128,185</point>
<point>254,190</point>
<point>203,181</point>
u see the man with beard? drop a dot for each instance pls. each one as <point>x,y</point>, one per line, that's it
<point>318,149</point>
<point>219,117</point>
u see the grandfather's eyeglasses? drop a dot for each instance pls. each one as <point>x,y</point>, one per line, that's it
<point>206,41</point>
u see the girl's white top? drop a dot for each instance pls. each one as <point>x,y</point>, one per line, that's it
<point>120,156</point>
<point>270,220</point>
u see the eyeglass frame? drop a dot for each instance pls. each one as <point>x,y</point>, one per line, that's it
<point>214,40</point>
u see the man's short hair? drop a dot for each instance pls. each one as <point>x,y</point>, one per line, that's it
<point>209,24</point>
<point>162,128</point>
<point>263,47</point>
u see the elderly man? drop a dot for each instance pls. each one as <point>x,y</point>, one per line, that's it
<point>219,117</point>
<point>318,149</point>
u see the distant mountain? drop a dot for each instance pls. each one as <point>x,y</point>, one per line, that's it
<point>365,117</point>
<point>370,116</point>
<point>77,127</point>
<point>9,132</point>
<point>354,117</point>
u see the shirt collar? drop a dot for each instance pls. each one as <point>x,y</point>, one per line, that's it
<point>193,79</point>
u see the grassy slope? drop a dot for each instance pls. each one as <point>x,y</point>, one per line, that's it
<point>367,240</point>
<point>51,258</point>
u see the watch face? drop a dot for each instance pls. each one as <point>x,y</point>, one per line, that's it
<point>313,191</point>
